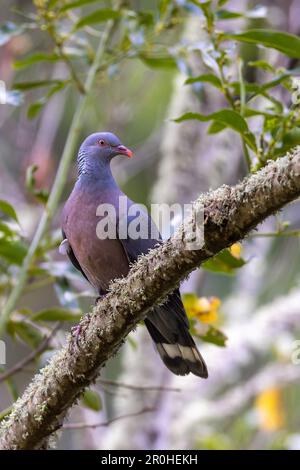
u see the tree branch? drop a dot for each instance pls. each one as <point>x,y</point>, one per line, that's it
<point>230,213</point>
<point>106,423</point>
<point>146,388</point>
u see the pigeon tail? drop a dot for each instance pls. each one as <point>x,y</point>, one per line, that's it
<point>177,350</point>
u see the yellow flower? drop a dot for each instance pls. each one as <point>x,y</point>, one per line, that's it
<point>204,309</point>
<point>270,409</point>
<point>236,250</point>
<point>39,3</point>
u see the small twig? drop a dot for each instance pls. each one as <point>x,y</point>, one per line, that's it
<point>114,392</point>
<point>138,387</point>
<point>106,423</point>
<point>242,87</point>
<point>69,64</point>
<point>31,356</point>
<point>287,233</point>
<point>242,111</point>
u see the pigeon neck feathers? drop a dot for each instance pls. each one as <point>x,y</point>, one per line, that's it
<point>92,169</point>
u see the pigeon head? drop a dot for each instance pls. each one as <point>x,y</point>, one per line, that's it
<point>98,149</point>
<point>105,145</point>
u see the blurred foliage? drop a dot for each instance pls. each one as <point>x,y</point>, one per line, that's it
<point>50,46</point>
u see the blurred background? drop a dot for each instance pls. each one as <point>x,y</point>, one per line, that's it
<point>244,310</point>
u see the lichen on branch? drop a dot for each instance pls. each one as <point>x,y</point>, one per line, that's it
<point>229,214</point>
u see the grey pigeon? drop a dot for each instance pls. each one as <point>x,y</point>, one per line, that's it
<point>100,260</point>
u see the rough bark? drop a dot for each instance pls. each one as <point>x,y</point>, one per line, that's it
<point>230,213</point>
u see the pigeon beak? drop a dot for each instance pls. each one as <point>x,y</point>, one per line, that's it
<point>122,150</point>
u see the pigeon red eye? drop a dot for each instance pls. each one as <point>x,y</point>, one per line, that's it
<point>101,142</point>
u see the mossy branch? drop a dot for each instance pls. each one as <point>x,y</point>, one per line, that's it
<point>230,213</point>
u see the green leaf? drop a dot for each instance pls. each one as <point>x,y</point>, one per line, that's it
<point>13,251</point>
<point>145,18</point>
<point>249,88</point>
<point>259,12</point>
<point>221,3</point>
<point>276,81</point>
<point>30,182</point>
<point>292,138</point>
<point>206,10</point>
<point>286,43</point>
<point>166,62</point>
<point>57,314</point>
<point>35,108</point>
<point>76,4</point>
<point>52,3</point>
<point>262,64</point>
<point>216,127</point>
<point>249,112</point>
<point>35,271</point>
<point>253,89</point>
<point>26,332</point>
<point>9,30</point>
<point>207,333</point>
<point>6,230</point>
<point>36,58</point>
<point>56,88</point>
<point>163,7</point>
<point>23,86</point>
<point>289,140</point>
<point>42,195</point>
<point>225,115</point>
<point>214,336</point>
<point>12,387</point>
<point>228,117</point>
<point>30,178</point>
<point>208,78</point>
<point>224,263</point>
<point>92,400</point>
<point>8,210</point>
<point>228,14</point>
<point>98,16</point>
